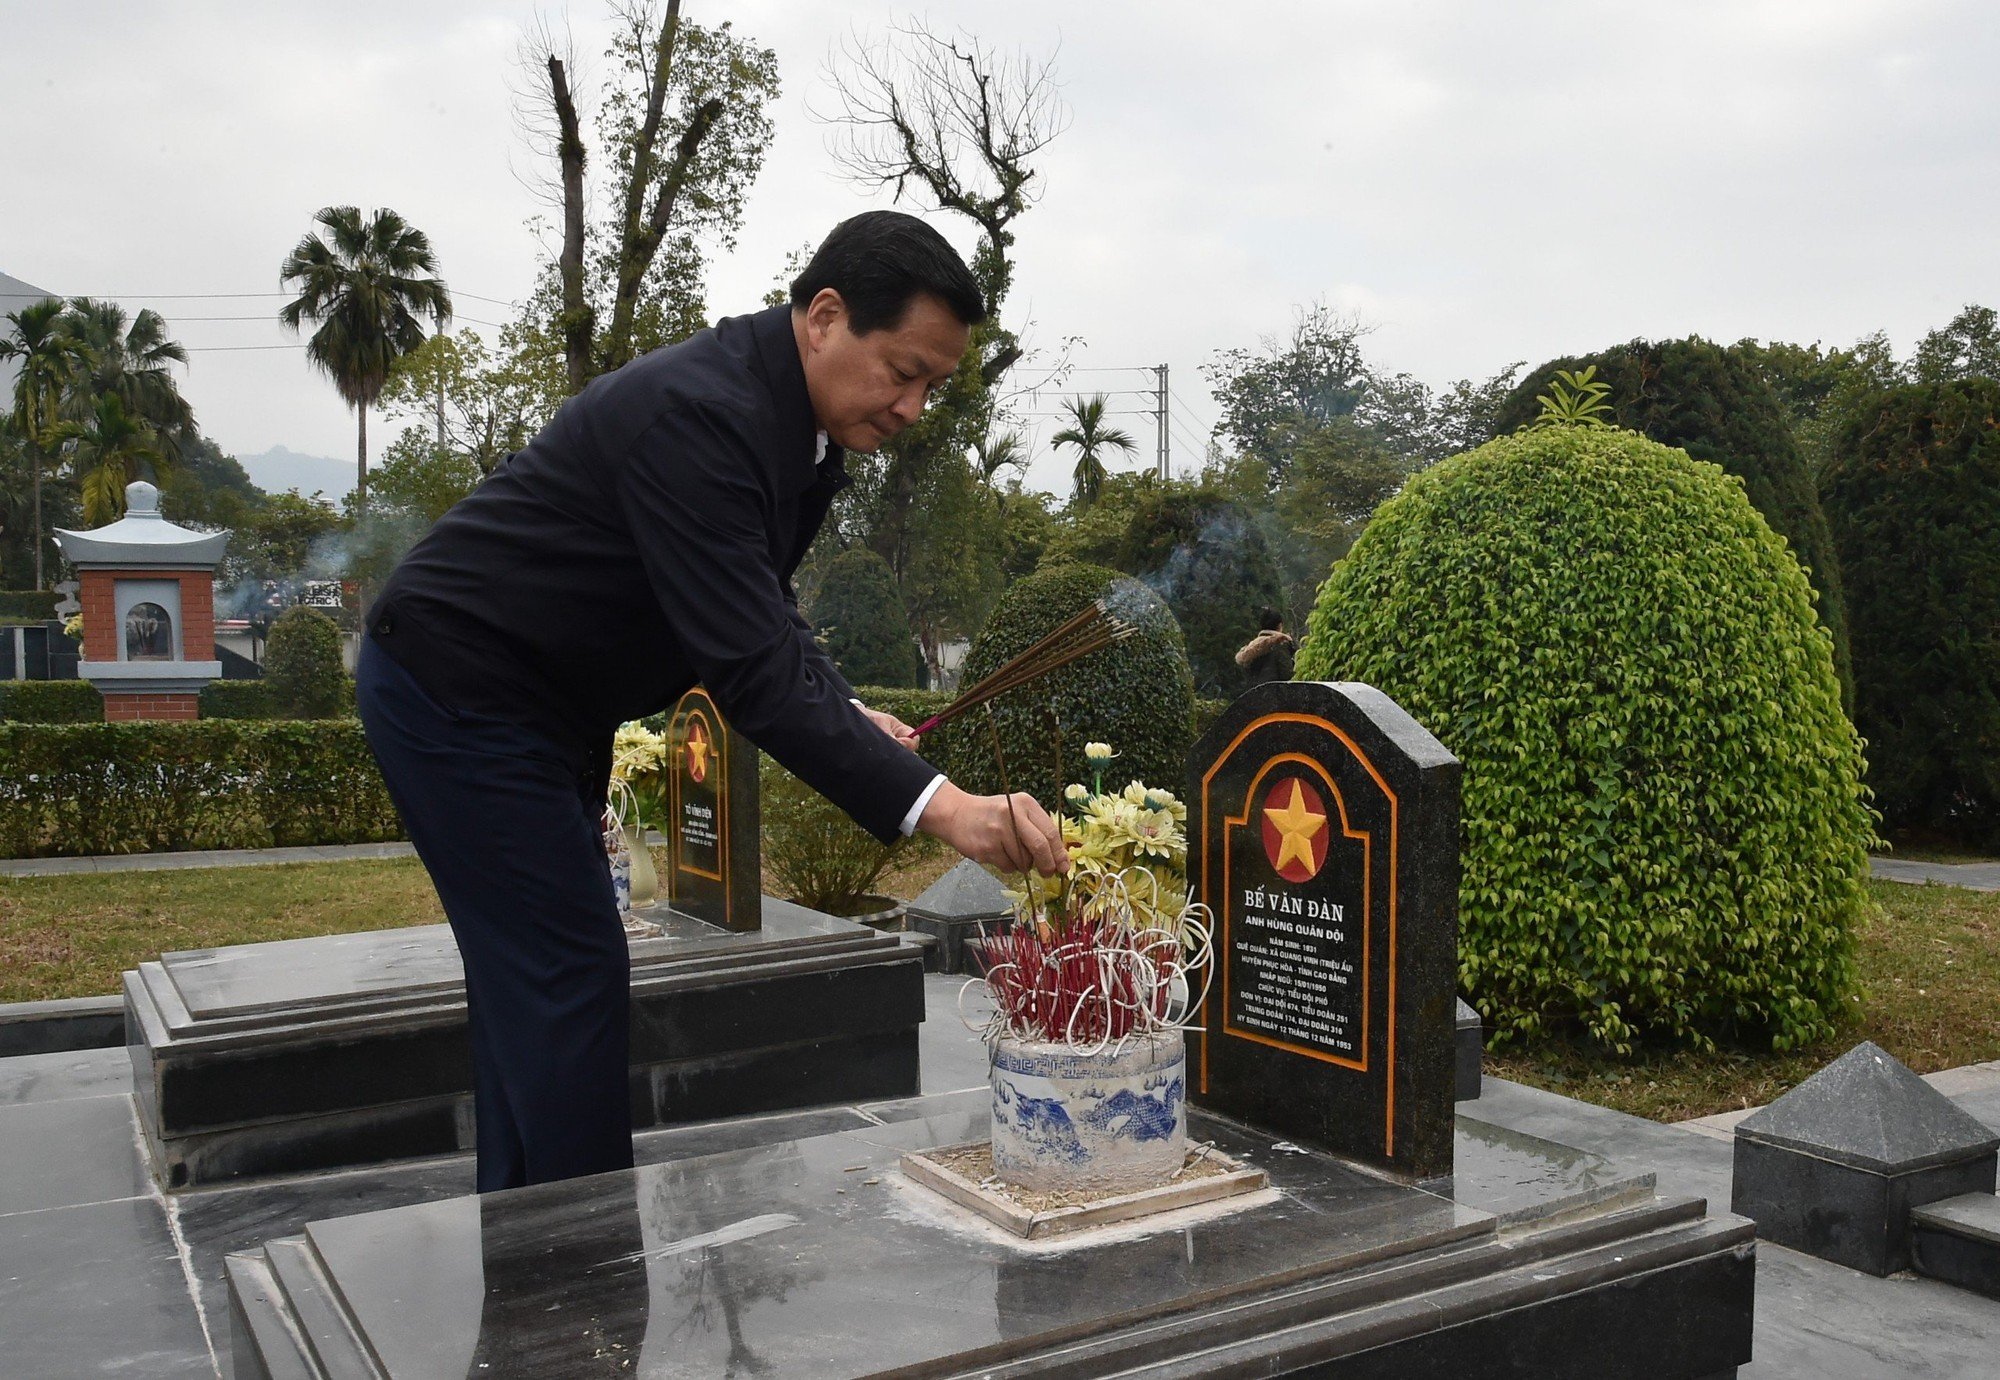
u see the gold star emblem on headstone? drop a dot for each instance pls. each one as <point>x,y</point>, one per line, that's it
<point>697,749</point>
<point>1297,827</point>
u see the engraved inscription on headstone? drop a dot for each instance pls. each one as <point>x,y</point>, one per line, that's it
<point>1323,834</point>
<point>713,870</point>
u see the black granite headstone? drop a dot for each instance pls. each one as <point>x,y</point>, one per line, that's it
<point>714,858</point>
<point>1323,835</point>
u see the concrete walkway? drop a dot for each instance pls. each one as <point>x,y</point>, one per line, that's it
<point>1980,876</point>
<point>224,857</point>
<point>227,857</point>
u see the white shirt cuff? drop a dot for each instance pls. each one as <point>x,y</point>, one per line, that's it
<point>917,810</point>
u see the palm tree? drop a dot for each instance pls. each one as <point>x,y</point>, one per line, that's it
<point>1090,436</point>
<point>364,286</point>
<point>49,359</point>
<point>129,361</point>
<point>999,452</point>
<point>107,453</point>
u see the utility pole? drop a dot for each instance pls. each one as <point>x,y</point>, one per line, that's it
<point>1163,456</point>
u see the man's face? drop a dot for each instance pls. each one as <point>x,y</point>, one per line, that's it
<point>866,388</point>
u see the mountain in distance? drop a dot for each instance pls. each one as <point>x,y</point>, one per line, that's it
<point>280,468</point>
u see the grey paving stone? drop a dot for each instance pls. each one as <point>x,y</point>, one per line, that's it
<point>59,1154</point>
<point>65,1075</point>
<point>97,1289</point>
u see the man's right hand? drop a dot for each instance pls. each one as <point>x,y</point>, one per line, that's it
<point>985,829</point>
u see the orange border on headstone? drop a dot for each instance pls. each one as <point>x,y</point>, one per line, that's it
<point>718,739</point>
<point>1208,884</point>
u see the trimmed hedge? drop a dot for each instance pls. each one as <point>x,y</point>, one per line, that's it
<point>1716,405</point>
<point>28,605</point>
<point>50,702</point>
<point>244,699</point>
<point>164,787</point>
<point>1665,831</point>
<point>1136,695</point>
<point>1913,494</point>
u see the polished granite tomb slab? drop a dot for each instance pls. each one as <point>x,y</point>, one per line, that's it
<point>351,1049</point>
<point>813,1257</point>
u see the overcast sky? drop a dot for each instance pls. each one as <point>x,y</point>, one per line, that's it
<point>1483,180</point>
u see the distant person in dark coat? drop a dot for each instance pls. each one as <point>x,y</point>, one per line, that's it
<point>642,543</point>
<point>1268,655</point>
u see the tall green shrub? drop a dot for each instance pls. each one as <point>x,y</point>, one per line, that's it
<point>302,664</point>
<point>1716,405</point>
<point>1203,552</point>
<point>863,625</point>
<point>1665,831</point>
<point>817,855</point>
<point>1913,495</point>
<point>1136,695</point>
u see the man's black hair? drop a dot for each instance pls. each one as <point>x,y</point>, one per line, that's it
<point>1270,620</point>
<point>878,261</point>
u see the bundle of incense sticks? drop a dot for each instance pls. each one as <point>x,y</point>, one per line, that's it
<point>1092,630</point>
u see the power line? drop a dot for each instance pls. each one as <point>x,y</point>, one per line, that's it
<point>204,296</point>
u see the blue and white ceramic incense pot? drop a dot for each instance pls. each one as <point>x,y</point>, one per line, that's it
<point>1112,1121</point>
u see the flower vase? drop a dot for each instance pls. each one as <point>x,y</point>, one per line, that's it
<point>645,884</point>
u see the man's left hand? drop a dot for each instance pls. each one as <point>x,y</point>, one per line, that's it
<point>893,726</point>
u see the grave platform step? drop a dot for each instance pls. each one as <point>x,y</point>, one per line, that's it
<point>1957,1241</point>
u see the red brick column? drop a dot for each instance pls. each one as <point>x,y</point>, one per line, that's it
<point>100,615</point>
<point>197,615</point>
<point>131,708</point>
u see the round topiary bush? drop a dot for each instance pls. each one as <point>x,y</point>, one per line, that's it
<point>1913,495</point>
<point>862,623</point>
<point>1716,405</point>
<point>1665,831</point>
<point>1136,695</point>
<point>302,664</point>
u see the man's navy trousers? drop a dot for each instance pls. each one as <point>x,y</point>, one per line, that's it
<point>511,836</point>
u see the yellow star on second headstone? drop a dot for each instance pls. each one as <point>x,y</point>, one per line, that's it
<point>1297,827</point>
<point>697,753</point>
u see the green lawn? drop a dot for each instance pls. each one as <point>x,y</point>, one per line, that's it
<point>1930,971</point>
<point>1930,962</point>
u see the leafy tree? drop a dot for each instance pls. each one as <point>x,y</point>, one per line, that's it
<point>1714,404</point>
<point>277,540</point>
<point>107,453</point>
<point>364,287</point>
<point>208,488</point>
<point>1090,438</point>
<point>861,622</point>
<point>49,357</point>
<point>475,405</point>
<point>422,480</point>
<point>1665,830</point>
<point>1967,348</point>
<point>1288,390</point>
<point>1822,388</point>
<point>1913,500</point>
<point>681,129</point>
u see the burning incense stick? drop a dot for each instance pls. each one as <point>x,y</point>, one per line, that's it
<point>1092,630</point>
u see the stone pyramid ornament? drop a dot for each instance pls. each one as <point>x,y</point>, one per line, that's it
<point>1834,1167</point>
<point>954,909</point>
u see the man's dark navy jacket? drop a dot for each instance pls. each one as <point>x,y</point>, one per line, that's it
<point>642,543</point>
